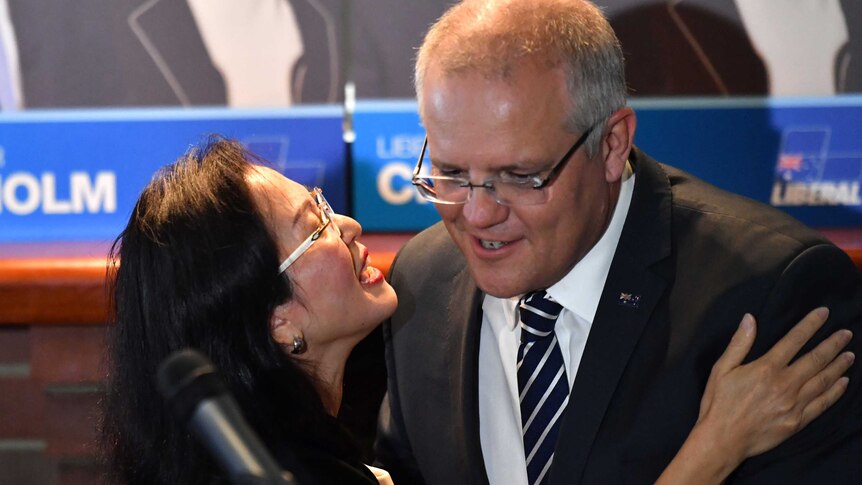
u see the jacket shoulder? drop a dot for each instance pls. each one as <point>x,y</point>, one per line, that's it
<point>699,200</point>
<point>430,251</point>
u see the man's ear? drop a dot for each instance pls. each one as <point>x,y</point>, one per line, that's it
<point>617,142</point>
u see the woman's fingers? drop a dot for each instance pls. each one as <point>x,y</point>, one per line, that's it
<point>815,361</point>
<point>789,345</point>
<point>823,402</point>
<point>739,346</point>
<point>818,377</point>
<point>824,381</point>
<point>768,400</point>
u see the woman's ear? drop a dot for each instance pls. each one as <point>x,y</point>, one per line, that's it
<point>281,326</point>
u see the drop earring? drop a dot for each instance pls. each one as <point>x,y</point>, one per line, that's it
<point>298,345</point>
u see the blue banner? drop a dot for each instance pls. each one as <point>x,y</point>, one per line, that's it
<point>75,175</point>
<point>802,155</point>
<point>388,142</point>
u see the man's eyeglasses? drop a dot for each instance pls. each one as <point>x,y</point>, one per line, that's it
<point>507,189</point>
<point>326,219</point>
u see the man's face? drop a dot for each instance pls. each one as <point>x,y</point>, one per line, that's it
<point>480,127</point>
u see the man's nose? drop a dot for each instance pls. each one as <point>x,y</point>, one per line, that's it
<point>482,209</point>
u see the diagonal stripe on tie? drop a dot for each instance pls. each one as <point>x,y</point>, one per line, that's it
<point>525,386</point>
<point>542,383</point>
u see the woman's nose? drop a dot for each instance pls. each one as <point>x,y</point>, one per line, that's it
<point>348,226</point>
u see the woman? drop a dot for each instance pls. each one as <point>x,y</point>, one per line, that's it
<point>199,259</point>
<point>247,266</point>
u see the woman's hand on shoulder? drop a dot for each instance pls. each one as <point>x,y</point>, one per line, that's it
<point>749,409</point>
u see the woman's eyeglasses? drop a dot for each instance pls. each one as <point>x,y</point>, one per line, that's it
<point>326,218</point>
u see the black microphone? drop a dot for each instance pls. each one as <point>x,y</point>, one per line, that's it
<point>191,385</point>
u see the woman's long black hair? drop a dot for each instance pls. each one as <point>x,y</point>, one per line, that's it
<point>196,267</point>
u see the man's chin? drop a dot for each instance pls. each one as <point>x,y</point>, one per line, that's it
<point>499,285</point>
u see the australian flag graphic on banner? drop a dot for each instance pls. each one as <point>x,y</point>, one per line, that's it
<point>808,174</point>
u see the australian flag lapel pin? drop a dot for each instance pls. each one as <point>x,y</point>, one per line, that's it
<point>629,300</point>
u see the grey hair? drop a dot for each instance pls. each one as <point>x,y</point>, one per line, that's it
<point>492,36</point>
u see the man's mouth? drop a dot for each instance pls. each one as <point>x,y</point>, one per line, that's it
<point>492,244</point>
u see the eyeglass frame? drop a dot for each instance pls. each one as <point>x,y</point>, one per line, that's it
<point>538,183</point>
<point>326,217</point>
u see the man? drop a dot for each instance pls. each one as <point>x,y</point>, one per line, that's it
<point>648,268</point>
<point>164,53</point>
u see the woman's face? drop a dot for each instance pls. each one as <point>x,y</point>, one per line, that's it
<point>338,296</point>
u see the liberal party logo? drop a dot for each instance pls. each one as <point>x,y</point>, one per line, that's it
<point>808,173</point>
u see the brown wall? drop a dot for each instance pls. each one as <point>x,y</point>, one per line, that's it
<point>52,315</point>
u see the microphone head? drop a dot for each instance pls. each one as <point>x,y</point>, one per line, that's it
<point>185,378</point>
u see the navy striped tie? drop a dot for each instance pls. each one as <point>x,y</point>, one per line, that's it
<point>542,383</point>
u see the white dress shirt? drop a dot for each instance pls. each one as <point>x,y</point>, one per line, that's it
<point>798,41</point>
<point>10,76</point>
<point>578,292</point>
<point>254,45</point>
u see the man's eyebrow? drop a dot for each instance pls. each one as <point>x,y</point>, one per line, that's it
<point>524,165</point>
<point>441,164</point>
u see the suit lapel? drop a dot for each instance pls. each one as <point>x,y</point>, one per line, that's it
<point>168,33</point>
<point>316,77</point>
<point>462,345</point>
<point>632,289</point>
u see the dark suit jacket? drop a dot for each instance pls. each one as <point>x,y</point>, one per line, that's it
<point>699,258</point>
<point>848,66</point>
<point>133,53</point>
<point>311,465</point>
<point>383,47</point>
